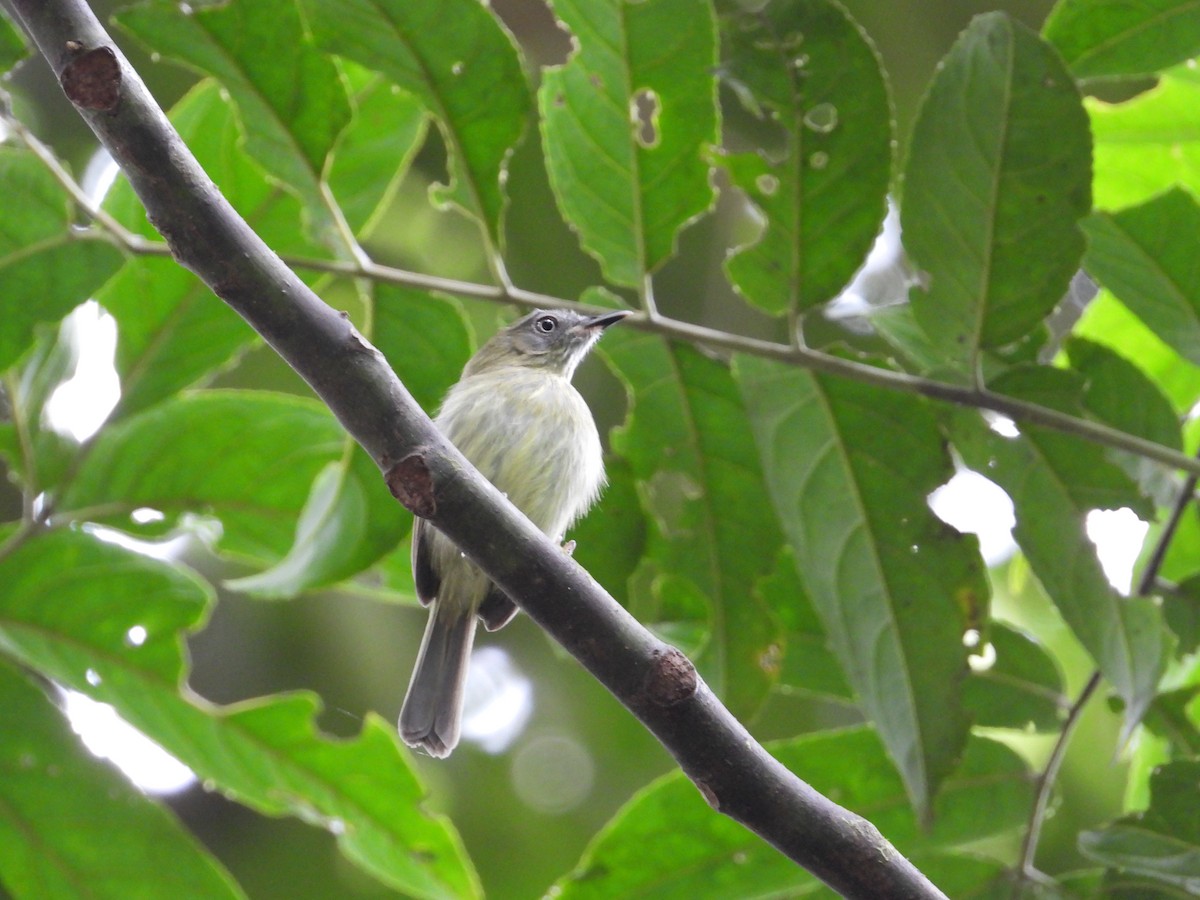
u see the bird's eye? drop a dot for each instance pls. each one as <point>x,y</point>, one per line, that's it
<point>546,324</point>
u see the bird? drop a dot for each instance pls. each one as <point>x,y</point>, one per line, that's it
<point>515,415</point>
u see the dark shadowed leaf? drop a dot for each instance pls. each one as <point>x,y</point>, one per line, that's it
<point>998,174</point>
<point>1163,843</point>
<point>808,663</point>
<point>625,125</point>
<point>849,469</point>
<point>690,448</point>
<point>809,69</point>
<point>1022,687</point>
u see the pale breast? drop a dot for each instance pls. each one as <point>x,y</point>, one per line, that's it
<point>532,435</point>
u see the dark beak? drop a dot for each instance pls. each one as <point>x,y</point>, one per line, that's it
<point>603,321</point>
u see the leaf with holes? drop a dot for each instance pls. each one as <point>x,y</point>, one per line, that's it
<point>849,468</point>
<point>625,125</point>
<point>805,66</point>
<point>998,174</point>
<point>68,609</point>
<point>469,78</point>
<point>1021,687</point>
<point>690,450</point>
<point>1054,480</point>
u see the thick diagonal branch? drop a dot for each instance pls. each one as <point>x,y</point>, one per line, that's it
<point>652,679</point>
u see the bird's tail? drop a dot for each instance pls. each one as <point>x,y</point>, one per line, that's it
<point>432,713</point>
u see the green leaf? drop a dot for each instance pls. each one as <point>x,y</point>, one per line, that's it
<point>1021,688</point>
<point>246,457</point>
<point>469,77</point>
<point>611,539</point>
<point>808,663</point>
<point>1054,481</point>
<point>1174,717</point>
<point>291,102</point>
<point>72,827</point>
<point>1147,145</point>
<point>998,173</point>
<point>701,854</point>
<point>39,456</point>
<point>1119,394</point>
<point>12,43</point>
<point>46,270</point>
<point>1137,254</point>
<point>625,126</point>
<point>425,338</point>
<point>849,469</point>
<point>69,605</point>
<point>689,446</point>
<point>1108,322</point>
<point>349,521</point>
<point>808,68</point>
<point>1163,843</point>
<point>172,331</point>
<point>1182,611</point>
<point>375,151</point>
<point>1122,40</point>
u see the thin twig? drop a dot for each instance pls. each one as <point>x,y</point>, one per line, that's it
<point>1046,781</point>
<point>362,266</point>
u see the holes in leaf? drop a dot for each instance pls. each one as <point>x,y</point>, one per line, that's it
<point>643,111</point>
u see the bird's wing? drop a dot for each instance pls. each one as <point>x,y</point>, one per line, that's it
<point>426,580</point>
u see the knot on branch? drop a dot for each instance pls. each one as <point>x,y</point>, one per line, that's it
<point>411,482</point>
<point>92,78</point>
<point>672,678</point>
<point>709,795</point>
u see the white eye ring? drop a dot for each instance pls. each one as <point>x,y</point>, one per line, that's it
<point>546,324</point>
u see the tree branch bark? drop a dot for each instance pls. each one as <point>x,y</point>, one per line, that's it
<point>653,680</point>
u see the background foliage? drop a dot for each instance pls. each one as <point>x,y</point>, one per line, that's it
<point>729,166</point>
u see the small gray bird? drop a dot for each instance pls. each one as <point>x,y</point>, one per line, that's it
<point>515,415</point>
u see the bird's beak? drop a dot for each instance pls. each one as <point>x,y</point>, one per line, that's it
<point>603,321</point>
